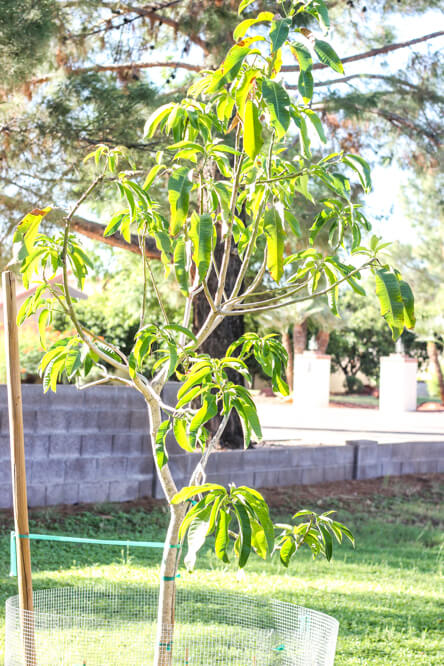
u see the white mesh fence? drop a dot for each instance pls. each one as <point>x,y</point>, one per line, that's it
<point>116,626</point>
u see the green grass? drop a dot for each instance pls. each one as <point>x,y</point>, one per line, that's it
<point>357,399</point>
<point>386,594</point>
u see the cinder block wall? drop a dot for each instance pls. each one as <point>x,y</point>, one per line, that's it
<point>93,446</point>
<point>88,446</point>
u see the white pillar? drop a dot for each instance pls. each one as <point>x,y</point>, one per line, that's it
<point>397,383</point>
<point>311,388</point>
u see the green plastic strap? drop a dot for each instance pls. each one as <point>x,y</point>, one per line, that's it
<point>192,502</point>
<point>170,578</point>
<point>166,645</point>
<point>279,648</point>
<point>66,539</point>
<point>102,542</point>
<point>175,545</point>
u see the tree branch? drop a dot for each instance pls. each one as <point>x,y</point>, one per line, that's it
<point>112,67</point>
<point>373,52</point>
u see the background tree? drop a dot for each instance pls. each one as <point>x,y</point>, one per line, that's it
<point>423,262</point>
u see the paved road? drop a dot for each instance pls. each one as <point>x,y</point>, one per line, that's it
<point>282,422</point>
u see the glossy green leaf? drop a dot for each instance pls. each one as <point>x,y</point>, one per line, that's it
<point>179,187</point>
<point>279,33</point>
<point>222,538</point>
<point>303,56</point>
<point>275,234</point>
<point>191,491</point>
<point>242,28</point>
<point>409,304</point>
<point>161,453</point>
<point>180,433</point>
<point>180,269</point>
<point>253,140</point>
<point>305,85</point>
<point>277,102</point>
<point>389,294</point>
<point>244,533</point>
<point>362,168</point>
<point>243,5</point>
<point>201,234</point>
<point>229,68</point>
<point>28,228</point>
<point>328,55</point>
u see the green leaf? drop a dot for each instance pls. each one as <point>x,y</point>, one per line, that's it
<point>303,56</point>
<point>222,538</point>
<point>258,539</point>
<point>242,28</point>
<point>205,413</point>
<point>305,85</point>
<point>191,491</point>
<point>293,223</point>
<point>409,304</point>
<point>277,101</point>
<point>279,33</point>
<point>244,533</point>
<point>196,536</point>
<point>180,433</point>
<point>179,188</point>
<point>161,453</point>
<point>44,319</point>
<point>156,118</point>
<point>201,234</point>
<point>195,377</point>
<point>152,175</point>
<point>73,362</point>
<point>180,262</point>
<point>392,306</point>
<point>359,164</point>
<point>253,140</point>
<point>314,119</point>
<point>28,228</point>
<point>328,542</point>
<point>275,234</point>
<point>328,55</point>
<point>229,68</point>
<point>243,5</point>
<point>287,549</point>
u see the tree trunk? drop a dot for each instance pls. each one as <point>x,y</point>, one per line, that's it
<point>163,655</point>
<point>322,339</point>
<point>299,338</point>
<point>286,341</point>
<point>432,351</point>
<point>230,329</point>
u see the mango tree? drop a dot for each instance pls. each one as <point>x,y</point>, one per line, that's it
<point>230,176</point>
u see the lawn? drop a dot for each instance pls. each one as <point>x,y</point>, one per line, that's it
<point>386,594</point>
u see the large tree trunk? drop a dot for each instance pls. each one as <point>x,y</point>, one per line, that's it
<point>322,340</point>
<point>216,345</point>
<point>432,351</point>
<point>299,338</point>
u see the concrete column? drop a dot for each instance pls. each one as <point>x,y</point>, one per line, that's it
<point>397,383</point>
<point>311,388</point>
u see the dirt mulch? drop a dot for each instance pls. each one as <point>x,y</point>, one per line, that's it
<point>286,498</point>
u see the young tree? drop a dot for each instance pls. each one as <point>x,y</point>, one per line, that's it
<point>229,177</point>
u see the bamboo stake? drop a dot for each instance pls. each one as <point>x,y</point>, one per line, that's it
<point>18,469</point>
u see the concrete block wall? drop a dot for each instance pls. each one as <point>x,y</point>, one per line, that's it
<point>88,446</point>
<point>93,446</point>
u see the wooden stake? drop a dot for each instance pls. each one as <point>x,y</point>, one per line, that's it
<point>18,469</point>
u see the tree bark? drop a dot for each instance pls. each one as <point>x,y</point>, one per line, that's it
<point>322,339</point>
<point>299,338</point>
<point>432,351</point>
<point>230,329</point>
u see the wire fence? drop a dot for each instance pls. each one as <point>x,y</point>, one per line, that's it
<point>116,626</point>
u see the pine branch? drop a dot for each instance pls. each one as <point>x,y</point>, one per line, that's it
<point>151,13</point>
<point>373,52</point>
<point>197,68</point>
<point>345,79</point>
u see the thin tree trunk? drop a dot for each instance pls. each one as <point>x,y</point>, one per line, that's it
<point>432,351</point>
<point>289,370</point>
<point>163,655</point>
